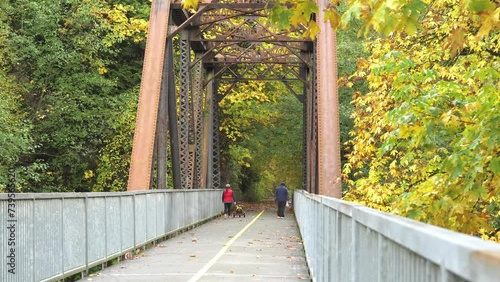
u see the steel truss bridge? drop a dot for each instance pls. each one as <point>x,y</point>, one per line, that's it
<point>48,237</point>
<point>222,43</point>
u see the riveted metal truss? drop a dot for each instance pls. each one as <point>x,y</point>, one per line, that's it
<point>198,99</point>
<point>215,156</point>
<point>221,44</point>
<point>239,42</point>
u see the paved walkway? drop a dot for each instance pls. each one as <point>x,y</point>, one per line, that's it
<point>259,247</point>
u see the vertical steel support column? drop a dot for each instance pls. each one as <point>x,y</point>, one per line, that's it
<point>306,145</point>
<point>162,125</point>
<point>197,72</point>
<point>207,160</point>
<point>329,174</point>
<point>216,171</point>
<point>312,128</point>
<point>145,128</point>
<point>192,130</point>
<point>184,116</point>
<point>172,119</point>
<point>304,72</point>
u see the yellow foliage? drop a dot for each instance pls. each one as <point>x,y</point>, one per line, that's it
<point>424,136</point>
<point>88,174</point>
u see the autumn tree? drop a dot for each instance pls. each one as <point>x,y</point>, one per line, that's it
<point>425,143</point>
<point>71,60</point>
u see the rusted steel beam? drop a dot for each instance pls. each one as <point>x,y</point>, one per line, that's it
<point>145,128</point>
<point>329,174</point>
<point>187,21</point>
<point>198,73</point>
<point>262,62</point>
<point>272,40</point>
<point>215,156</point>
<point>185,150</point>
<point>206,160</point>
<point>172,119</point>
<point>236,5</point>
<point>232,79</point>
<point>311,125</point>
<point>162,128</point>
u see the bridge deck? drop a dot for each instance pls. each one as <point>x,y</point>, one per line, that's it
<point>258,247</point>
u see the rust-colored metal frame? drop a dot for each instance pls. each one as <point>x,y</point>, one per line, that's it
<point>225,42</point>
<point>329,169</point>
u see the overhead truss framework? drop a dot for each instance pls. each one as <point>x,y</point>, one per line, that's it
<point>220,44</point>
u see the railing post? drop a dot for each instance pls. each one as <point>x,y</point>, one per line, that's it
<point>86,208</point>
<point>62,235</point>
<point>33,239</point>
<point>355,250</point>
<point>443,272</point>
<point>135,219</point>
<point>338,245</point>
<point>382,250</point>
<point>121,225</point>
<point>106,227</point>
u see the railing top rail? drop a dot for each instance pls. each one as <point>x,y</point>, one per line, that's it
<point>67,195</point>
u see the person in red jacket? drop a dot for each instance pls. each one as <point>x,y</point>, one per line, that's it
<point>228,200</point>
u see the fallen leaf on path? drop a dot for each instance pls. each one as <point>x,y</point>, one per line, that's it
<point>129,256</point>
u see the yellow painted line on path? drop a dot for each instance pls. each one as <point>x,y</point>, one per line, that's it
<point>223,250</point>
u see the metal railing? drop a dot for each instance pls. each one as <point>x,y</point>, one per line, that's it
<point>348,242</point>
<point>46,237</point>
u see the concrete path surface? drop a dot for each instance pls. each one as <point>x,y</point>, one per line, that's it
<point>258,247</point>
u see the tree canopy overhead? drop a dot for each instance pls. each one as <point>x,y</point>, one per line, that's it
<point>384,17</point>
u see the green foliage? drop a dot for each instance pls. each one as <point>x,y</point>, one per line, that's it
<point>115,155</point>
<point>71,61</point>
<point>262,123</point>
<point>349,49</point>
<point>15,127</point>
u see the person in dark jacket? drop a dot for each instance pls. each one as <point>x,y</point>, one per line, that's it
<point>281,197</point>
<point>228,200</point>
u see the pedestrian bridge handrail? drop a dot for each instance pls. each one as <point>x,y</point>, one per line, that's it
<point>344,241</point>
<point>46,237</point>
